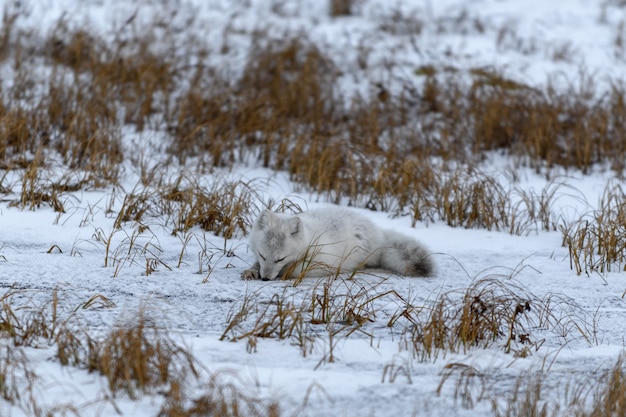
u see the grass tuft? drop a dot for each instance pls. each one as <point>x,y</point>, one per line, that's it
<point>489,311</point>
<point>597,242</point>
<point>138,357</point>
<point>605,397</point>
<point>220,397</point>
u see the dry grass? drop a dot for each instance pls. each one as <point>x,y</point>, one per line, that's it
<point>186,208</point>
<point>138,358</point>
<point>12,364</point>
<point>540,394</point>
<point>281,317</point>
<point>605,396</point>
<point>25,321</point>
<point>134,358</point>
<point>543,128</point>
<point>491,311</point>
<point>597,242</point>
<point>224,208</point>
<point>610,396</point>
<point>18,386</point>
<point>488,312</point>
<point>28,322</point>
<point>469,386</point>
<point>527,399</point>
<point>221,397</point>
<point>284,112</point>
<point>330,309</point>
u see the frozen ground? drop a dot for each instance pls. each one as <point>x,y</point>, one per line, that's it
<point>532,41</point>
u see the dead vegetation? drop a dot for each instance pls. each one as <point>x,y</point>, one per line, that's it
<point>138,357</point>
<point>221,397</point>
<point>607,397</point>
<point>331,308</point>
<point>414,152</point>
<point>31,323</point>
<point>134,357</point>
<point>492,311</point>
<point>537,394</point>
<point>597,242</point>
<point>488,312</point>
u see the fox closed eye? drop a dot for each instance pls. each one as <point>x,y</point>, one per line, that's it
<point>276,261</point>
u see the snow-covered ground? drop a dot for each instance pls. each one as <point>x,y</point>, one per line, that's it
<point>196,287</point>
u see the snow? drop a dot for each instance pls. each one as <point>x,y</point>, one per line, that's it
<point>372,373</point>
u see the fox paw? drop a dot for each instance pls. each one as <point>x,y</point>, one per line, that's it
<point>250,274</point>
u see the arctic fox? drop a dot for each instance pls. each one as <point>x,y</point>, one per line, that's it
<point>327,241</point>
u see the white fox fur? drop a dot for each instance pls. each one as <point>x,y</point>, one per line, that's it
<point>327,241</point>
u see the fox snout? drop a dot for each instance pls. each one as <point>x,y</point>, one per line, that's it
<point>268,274</point>
<point>273,271</point>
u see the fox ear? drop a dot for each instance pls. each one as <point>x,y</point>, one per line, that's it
<point>295,224</point>
<point>265,220</point>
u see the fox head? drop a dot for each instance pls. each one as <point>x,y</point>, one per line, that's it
<point>275,240</point>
